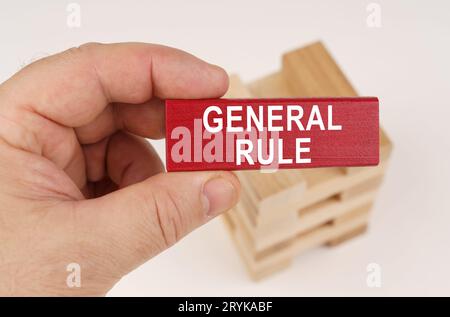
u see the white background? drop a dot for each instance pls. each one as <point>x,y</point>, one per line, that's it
<point>405,63</point>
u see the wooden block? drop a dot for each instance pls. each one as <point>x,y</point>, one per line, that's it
<point>370,185</point>
<point>261,186</point>
<point>237,89</point>
<point>321,184</point>
<point>257,185</point>
<point>255,269</point>
<point>313,238</point>
<point>259,274</point>
<point>267,228</point>
<point>311,71</point>
<point>272,257</point>
<point>272,86</point>
<point>299,221</point>
<point>238,134</point>
<point>316,63</point>
<point>329,213</point>
<point>357,212</point>
<point>252,191</point>
<point>348,235</point>
<point>256,272</point>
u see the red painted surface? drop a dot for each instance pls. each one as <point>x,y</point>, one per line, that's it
<point>191,147</point>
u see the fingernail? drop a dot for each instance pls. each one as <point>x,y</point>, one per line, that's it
<point>220,195</point>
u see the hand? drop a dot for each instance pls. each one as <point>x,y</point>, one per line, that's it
<point>78,181</point>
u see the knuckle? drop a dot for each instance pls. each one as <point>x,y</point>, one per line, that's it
<point>168,216</point>
<point>85,48</point>
<point>79,52</point>
<point>90,45</point>
<point>74,52</point>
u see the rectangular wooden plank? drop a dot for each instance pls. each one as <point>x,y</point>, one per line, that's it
<point>308,71</point>
<point>348,217</point>
<point>353,233</point>
<point>256,273</point>
<point>369,185</point>
<point>302,221</point>
<point>271,200</point>
<point>322,189</point>
<point>274,257</point>
<point>260,184</point>
<point>238,134</point>
<point>237,89</point>
<point>311,71</point>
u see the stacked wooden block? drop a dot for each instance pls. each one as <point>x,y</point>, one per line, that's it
<point>287,212</point>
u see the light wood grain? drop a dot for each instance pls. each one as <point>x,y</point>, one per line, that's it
<point>285,213</point>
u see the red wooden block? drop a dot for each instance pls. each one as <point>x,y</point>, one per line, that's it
<point>229,134</point>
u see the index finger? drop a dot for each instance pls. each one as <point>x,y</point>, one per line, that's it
<point>73,87</point>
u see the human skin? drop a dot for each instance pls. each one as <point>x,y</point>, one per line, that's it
<point>78,181</point>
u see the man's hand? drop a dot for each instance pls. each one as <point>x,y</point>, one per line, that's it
<point>78,181</point>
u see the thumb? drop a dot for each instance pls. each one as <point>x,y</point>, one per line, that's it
<point>141,220</point>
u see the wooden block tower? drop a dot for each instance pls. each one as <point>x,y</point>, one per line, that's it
<point>287,212</point>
